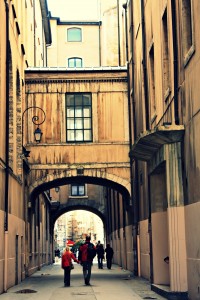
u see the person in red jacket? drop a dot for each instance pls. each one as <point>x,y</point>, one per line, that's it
<point>66,264</point>
<point>87,252</point>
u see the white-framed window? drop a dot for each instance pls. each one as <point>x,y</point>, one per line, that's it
<point>152,82</point>
<point>74,34</point>
<point>75,62</point>
<point>79,117</point>
<point>165,55</point>
<point>187,30</point>
<point>78,190</point>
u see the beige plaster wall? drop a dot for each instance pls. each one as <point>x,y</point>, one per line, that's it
<point>129,248</point>
<point>192,213</point>
<point>16,228</point>
<point>88,49</point>
<point>160,248</point>
<point>2,250</point>
<point>144,250</point>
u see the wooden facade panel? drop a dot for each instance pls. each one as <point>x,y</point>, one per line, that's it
<point>79,154</point>
<point>109,103</point>
<point>111,121</point>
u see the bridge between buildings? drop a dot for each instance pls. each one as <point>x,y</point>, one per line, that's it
<point>102,162</point>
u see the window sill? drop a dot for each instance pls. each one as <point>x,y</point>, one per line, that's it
<point>189,55</point>
<point>75,197</point>
<point>153,118</point>
<point>167,93</point>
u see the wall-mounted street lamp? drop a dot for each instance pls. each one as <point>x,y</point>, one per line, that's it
<point>36,121</point>
<point>57,188</point>
<point>38,135</point>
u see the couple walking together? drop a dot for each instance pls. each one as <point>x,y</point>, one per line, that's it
<point>87,252</point>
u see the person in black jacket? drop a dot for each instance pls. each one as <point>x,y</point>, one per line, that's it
<point>109,255</point>
<point>100,256</point>
<point>87,252</point>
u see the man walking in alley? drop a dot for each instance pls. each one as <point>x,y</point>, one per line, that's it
<point>87,252</point>
<point>100,256</point>
<point>109,255</point>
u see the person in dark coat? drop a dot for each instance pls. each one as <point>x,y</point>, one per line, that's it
<point>86,259</point>
<point>109,255</point>
<point>100,256</point>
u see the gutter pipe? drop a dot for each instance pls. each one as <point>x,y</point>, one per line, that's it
<point>146,92</point>
<point>6,150</point>
<point>134,200</point>
<point>100,44</point>
<point>136,192</point>
<point>175,55</point>
<point>34,31</point>
<point>118,32</point>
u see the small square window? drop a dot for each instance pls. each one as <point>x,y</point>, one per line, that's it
<point>75,62</point>
<point>74,34</point>
<point>78,190</point>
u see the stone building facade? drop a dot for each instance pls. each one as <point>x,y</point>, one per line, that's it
<point>143,150</point>
<point>163,40</point>
<point>92,43</point>
<point>24,35</point>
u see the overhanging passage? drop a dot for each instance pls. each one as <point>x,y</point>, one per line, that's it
<point>149,142</point>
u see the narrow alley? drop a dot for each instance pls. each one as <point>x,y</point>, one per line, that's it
<point>114,284</point>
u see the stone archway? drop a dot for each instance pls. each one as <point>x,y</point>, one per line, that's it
<point>62,177</point>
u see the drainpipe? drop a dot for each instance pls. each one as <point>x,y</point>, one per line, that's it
<point>100,22</point>
<point>118,32</point>
<point>44,47</point>
<point>134,202</point>
<point>175,55</point>
<point>34,33</point>
<point>146,92</point>
<point>126,29</point>
<point>99,43</point>
<point>129,100</point>
<point>136,185</point>
<point>6,148</point>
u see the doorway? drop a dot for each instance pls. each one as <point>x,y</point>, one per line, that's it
<point>159,219</point>
<point>16,258</point>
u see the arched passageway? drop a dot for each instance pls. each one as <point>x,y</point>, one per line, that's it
<point>72,227</point>
<point>107,199</point>
<point>90,174</point>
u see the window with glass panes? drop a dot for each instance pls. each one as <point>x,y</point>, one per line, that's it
<point>74,34</point>
<point>78,190</point>
<point>79,117</point>
<point>74,62</point>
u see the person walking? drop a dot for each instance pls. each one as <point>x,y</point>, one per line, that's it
<point>66,264</point>
<point>98,244</point>
<point>100,256</point>
<point>109,255</point>
<point>87,252</point>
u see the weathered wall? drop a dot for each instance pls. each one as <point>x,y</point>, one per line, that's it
<point>109,148</point>
<point>16,49</point>
<point>88,49</point>
<point>155,102</point>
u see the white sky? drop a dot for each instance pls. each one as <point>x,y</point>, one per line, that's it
<point>74,10</point>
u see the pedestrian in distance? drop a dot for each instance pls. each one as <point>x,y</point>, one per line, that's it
<point>109,255</point>
<point>66,260</point>
<point>87,252</point>
<point>98,244</point>
<point>100,256</point>
<point>57,253</point>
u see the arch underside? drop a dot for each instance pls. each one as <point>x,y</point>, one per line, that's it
<point>43,186</point>
<point>75,204</point>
